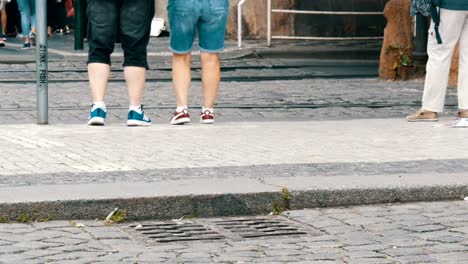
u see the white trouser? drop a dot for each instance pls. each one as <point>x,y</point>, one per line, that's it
<point>453,28</point>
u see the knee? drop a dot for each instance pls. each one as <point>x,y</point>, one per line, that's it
<point>182,58</point>
<point>209,59</point>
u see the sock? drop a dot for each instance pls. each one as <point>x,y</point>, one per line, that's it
<point>209,109</point>
<point>136,108</point>
<point>101,105</point>
<point>180,108</point>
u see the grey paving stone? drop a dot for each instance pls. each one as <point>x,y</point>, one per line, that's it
<point>463,230</point>
<point>377,228</point>
<point>425,228</point>
<point>448,239</point>
<point>341,229</point>
<point>447,248</point>
<point>13,249</point>
<point>281,259</point>
<point>51,224</point>
<point>364,221</point>
<point>454,257</point>
<point>373,247</point>
<point>406,251</point>
<point>370,261</point>
<point>194,261</point>
<point>364,254</point>
<point>77,255</point>
<point>415,259</point>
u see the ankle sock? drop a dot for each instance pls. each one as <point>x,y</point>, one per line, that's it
<point>209,109</point>
<point>136,108</point>
<point>101,105</point>
<point>180,108</point>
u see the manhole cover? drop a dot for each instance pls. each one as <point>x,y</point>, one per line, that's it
<point>259,227</point>
<point>165,232</point>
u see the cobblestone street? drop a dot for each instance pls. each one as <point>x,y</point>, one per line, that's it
<point>434,232</point>
<point>289,100</point>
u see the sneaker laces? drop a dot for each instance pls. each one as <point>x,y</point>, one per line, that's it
<point>208,113</point>
<point>145,118</point>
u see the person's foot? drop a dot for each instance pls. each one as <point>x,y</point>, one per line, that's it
<point>423,116</point>
<point>207,117</point>
<point>97,116</point>
<point>136,118</point>
<point>26,45</point>
<point>2,44</point>
<point>66,30</point>
<point>59,31</point>
<point>180,118</point>
<point>3,37</point>
<point>462,113</point>
<point>32,38</point>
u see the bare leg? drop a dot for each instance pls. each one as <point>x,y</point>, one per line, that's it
<point>4,21</point>
<point>211,77</point>
<point>181,77</point>
<point>135,78</point>
<point>98,77</point>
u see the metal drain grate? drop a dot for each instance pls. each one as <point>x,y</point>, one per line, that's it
<point>259,227</point>
<point>166,232</point>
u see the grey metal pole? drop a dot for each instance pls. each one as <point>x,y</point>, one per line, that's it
<point>41,63</point>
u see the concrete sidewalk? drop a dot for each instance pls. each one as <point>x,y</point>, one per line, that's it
<point>160,172</point>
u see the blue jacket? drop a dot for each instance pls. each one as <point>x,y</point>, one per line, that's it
<point>454,4</point>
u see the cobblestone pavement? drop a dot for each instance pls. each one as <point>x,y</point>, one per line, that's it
<point>434,232</point>
<point>311,99</point>
<point>62,48</point>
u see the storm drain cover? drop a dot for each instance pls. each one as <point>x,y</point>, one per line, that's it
<point>165,232</point>
<point>259,227</point>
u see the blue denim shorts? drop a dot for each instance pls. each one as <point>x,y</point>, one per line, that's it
<point>208,18</point>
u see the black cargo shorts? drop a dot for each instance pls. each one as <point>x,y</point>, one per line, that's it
<point>128,19</point>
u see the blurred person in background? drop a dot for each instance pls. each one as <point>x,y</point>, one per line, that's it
<point>13,24</point>
<point>3,20</point>
<point>57,17</point>
<point>27,9</point>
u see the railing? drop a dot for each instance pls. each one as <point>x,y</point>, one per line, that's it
<point>239,23</point>
<point>270,11</point>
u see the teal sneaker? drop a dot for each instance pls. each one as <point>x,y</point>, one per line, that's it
<point>138,119</point>
<point>97,117</point>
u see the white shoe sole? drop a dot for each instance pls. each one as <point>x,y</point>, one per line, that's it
<point>422,120</point>
<point>180,121</point>
<point>208,121</point>
<point>462,123</point>
<point>96,121</point>
<point>138,123</point>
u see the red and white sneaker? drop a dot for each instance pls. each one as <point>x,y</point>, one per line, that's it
<point>207,117</point>
<point>180,118</point>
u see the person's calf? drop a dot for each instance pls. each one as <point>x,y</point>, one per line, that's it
<point>181,78</point>
<point>211,77</point>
